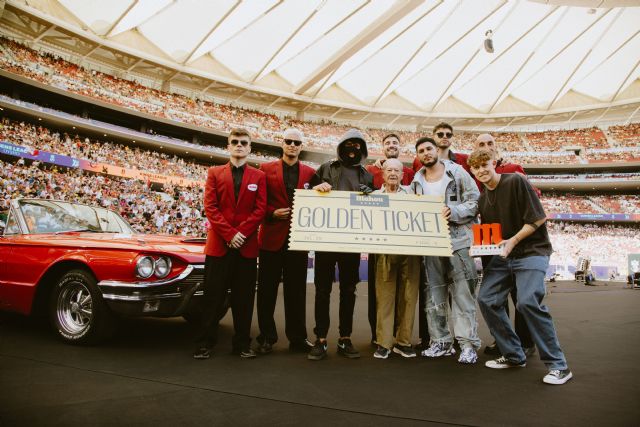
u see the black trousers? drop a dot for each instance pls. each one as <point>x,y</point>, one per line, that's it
<point>325,271</point>
<point>291,268</point>
<point>231,271</point>
<point>371,289</point>
<point>521,328</point>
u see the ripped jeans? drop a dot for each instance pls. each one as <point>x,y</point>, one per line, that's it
<point>456,274</point>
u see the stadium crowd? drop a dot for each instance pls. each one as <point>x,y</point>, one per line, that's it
<point>532,147</point>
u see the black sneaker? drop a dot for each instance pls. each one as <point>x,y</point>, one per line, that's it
<point>404,350</point>
<point>381,353</point>
<point>300,346</point>
<point>318,351</point>
<point>346,349</point>
<point>247,353</point>
<point>202,353</point>
<point>557,376</point>
<point>492,350</point>
<point>264,348</point>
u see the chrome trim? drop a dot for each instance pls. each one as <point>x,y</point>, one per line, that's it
<point>115,297</point>
<point>144,285</point>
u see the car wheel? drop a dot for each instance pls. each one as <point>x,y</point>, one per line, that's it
<point>78,312</point>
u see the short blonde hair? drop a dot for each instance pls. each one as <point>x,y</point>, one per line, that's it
<point>238,132</point>
<point>479,158</point>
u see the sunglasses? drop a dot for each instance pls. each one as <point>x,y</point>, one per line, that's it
<point>443,134</point>
<point>242,142</point>
<point>292,141</point>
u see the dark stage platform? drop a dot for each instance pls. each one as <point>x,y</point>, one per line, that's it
<point>145,375</point>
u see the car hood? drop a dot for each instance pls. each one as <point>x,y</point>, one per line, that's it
<point>188,248</point>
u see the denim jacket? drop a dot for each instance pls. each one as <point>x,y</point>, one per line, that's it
<point>461,196</point>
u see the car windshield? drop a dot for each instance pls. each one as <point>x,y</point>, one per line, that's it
<point>48,216</point>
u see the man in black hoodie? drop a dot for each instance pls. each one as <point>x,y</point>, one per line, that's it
<point>345,173</point>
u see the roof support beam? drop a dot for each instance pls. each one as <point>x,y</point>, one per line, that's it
<point>96,47</point>
<point>415,52</point>
<point>624,82</point>
<point>457,40</point>
<point>120,18</point>
<point>135,64</point>
<point>632,116</point>
<point>371,32</point>
<point>586,55</point>
<point>533,52</point>
<point>215,27</point>
<point>44,33</point>
<point>283,45</point>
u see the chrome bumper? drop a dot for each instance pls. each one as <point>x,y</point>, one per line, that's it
<point>161,297</point>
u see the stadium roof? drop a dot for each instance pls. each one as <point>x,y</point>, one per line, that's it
<point>405,61</point>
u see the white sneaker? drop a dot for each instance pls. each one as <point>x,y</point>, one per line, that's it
<point>468,356</point>
<point>438,350</point>
<point>502,363</point>
<point>557,376</point>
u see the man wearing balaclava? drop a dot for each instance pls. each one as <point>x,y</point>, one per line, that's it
<point>345,173</point>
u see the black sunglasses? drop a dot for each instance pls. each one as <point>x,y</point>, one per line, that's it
<point>443,134</point>
<point>292,141</point>
<point>243,142</point>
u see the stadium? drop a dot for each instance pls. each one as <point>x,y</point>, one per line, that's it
<point>126,104</point>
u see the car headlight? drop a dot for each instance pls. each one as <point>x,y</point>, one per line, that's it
<point>163,267</point>
<point>145,267</point>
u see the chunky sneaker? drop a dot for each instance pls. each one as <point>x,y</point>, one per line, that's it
<point>247,353</point>
<point>346,349</point>
<point>404,350</point>
<point>502,363</point>
<point>202,353</point>
<point>439,349</point>
<point>529,351</point>
<point>557,376</point>
<point>381,353</point>
<point>318,351</point>
<point>468,356</point>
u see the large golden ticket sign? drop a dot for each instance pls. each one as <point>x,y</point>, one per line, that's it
<point>342,221</point>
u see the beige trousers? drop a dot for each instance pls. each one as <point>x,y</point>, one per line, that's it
<point>397,284</point>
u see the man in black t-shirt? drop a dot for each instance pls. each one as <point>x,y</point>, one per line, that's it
<point>509,200</point>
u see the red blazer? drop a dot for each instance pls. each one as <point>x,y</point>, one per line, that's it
<point>228,217</point>
<point>407,175</point>
<point>273,233</point>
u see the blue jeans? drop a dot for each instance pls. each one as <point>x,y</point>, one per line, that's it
<point>527,274</point>
<point>455,274</point>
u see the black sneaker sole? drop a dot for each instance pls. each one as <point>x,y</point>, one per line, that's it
<point>349,355</point>
<point>312,357</point>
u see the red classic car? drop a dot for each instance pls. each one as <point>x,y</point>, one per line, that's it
<point>84,265</point>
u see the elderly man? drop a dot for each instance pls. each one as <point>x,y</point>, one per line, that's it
<point>391,150</point>
<point>397,279</point>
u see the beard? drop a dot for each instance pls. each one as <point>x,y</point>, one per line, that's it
<point>429,163</point>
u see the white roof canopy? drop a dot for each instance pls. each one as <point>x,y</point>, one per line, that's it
<point>422,57</point>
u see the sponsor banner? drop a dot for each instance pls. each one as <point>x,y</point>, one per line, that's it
<point>343,221</point>
<point>42,156</point>
<point>72,162</point>
<point>596,217</point>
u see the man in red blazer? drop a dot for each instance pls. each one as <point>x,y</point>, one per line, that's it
<point>235,202</point>
<point>276,260</point>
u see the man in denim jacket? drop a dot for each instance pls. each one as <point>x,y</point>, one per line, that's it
<point>457,273</point>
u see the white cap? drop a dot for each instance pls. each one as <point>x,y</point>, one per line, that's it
<point>293,133</point>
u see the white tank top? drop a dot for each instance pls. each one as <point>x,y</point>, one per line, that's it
<point>435,188</point>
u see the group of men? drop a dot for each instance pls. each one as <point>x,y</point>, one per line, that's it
<point>249,211</point>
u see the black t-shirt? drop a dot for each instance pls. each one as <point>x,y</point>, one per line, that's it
<point>512,204</point>
<point>350,178</point>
